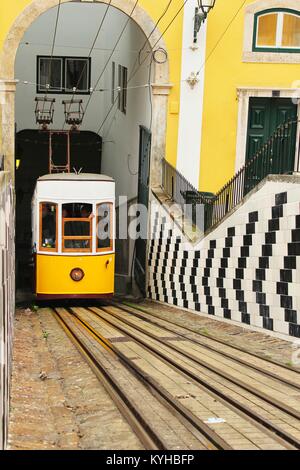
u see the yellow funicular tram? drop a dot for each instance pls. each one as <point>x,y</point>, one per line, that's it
<point>73,229</point>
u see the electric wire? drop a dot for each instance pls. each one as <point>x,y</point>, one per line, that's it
<point>147,84</point>
<point>90,53</point>
<point>111,54</point>
<point>53,43</point>
<point>223,34</point>
<point>160,37</point>
<point>153,30</point>
<point>52,53</point>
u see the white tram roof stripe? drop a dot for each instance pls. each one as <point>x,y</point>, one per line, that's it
<point>75,177</point>
<point>70,186</point>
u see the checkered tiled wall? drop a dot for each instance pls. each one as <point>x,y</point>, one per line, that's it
<point>247,269</point>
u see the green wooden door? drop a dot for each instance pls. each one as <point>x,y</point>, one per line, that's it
<point>265,115</point>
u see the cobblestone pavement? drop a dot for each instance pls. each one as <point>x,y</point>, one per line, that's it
<point>265,345</point>
<point>56,400</point>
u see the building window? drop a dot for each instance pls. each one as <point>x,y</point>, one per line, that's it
<point>277,31</point>
<point>122,98</point>
<point>50,73</point>
<point>63,74</point>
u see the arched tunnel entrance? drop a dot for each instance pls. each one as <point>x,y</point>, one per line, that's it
<point>124,94</point>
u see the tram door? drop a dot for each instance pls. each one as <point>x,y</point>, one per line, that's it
<point>143,198</point>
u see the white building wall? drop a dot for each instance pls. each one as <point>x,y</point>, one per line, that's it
<point>77,28</point>
<point>191,99</point>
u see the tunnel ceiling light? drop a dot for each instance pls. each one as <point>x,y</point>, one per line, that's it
<point>204,7</point>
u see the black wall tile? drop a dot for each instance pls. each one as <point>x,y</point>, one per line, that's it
<point>250,228</point>
<point>282,288</point>
<point>277,212</point>
<point>270,238</point>
<point>290,262</point>
<point>273,225</point>
<point>281,198</point>
<point>290,316</point>
<point>294,330</point>
<point>257,286</point>
<point>286,275</point>
<point>253,216</point>
<point>296,235</point>
<point>268,323</point>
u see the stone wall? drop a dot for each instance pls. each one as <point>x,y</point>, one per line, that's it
<point>246,270</point>
<point>7,297</point>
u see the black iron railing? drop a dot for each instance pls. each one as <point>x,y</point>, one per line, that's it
<point>179,190</point>
<point>276,156</point>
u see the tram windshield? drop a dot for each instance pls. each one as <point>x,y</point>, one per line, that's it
<point>77,226</point>
<point>48,226</point>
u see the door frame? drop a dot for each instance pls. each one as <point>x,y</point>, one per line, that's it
<point>243,97</point>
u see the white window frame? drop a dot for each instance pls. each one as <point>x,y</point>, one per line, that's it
<point>279,31</point>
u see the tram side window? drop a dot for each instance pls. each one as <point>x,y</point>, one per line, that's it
<point>48,226</point>
<point>104,227</point>
<point>77,227</point>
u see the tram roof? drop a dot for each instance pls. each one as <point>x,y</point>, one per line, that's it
<point>75,177</point>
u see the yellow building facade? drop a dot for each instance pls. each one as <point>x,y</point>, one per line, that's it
<point>233,74</point>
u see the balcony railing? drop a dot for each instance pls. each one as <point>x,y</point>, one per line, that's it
<point>276,156</point>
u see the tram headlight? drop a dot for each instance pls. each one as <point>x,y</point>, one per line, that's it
<point>77,274</point>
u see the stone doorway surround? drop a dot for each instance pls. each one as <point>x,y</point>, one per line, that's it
<point>243,96</point>
<point>160,88</point>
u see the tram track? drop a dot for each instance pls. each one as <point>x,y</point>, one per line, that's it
<point>213,343</point>
<point>96,320</point>
<point>206,437</point>
<point>190,370</point>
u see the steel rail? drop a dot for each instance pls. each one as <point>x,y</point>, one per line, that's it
<point>164,396</point>
<point>143,431</point>
<point>155,321</point>
<point>217,340</point>
<point>227,399</point>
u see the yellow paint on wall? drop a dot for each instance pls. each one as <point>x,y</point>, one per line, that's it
<point>53,274</point>
<point>224,73</point>
<point>10,10</point>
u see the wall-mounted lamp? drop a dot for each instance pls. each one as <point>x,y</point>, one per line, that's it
<point>201,14</point>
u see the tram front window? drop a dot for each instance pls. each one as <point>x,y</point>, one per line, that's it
<point>48,226</point>
<point>104,227</point>
<point>77,227</point>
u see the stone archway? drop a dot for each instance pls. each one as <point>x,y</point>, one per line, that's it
<point>160,87</point>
